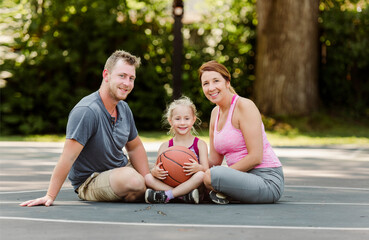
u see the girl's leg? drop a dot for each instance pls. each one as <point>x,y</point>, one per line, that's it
<point>207,180</point>
<point>157,195</point>
<point>156,184</point>
<point>165,193</point>
<point>263,185</point>
<point>194,182</point>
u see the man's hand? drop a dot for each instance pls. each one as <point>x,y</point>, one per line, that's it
<point>71,150</point>
<point>47,201</point>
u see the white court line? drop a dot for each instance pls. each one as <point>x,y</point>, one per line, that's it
<point>322,203</point>
<point>182,225</point>
<point>286,186</point>
<point>31,191</point>
<point>56,203</point>
<point>59,203</point>
<point>321,187</point>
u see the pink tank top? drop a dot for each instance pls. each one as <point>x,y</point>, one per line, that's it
<point>230,142</point>
<point>194,148</point>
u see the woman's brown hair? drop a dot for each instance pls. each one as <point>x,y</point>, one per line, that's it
<point>214,66</point>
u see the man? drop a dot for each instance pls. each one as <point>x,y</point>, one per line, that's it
<point>98,128</point>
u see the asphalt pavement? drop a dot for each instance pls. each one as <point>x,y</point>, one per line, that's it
<point>326,197</point>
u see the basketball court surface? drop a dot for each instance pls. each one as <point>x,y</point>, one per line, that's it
<point>326,197</point>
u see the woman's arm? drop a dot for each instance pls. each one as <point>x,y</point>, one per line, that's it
<point>248,119</point>
<point>215,158</point>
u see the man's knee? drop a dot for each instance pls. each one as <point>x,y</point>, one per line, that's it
<point>149,180</point>
<point>124,180</point>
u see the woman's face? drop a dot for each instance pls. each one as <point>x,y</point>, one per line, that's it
<point>214,86</point>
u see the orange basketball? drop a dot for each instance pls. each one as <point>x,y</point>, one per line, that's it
<point>173,160</point>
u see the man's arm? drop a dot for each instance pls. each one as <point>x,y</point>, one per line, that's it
<point>70,153</point>
<point>138,156</point>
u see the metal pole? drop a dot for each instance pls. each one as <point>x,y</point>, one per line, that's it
<point>177,48</point>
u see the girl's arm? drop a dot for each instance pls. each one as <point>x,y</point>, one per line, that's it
<point>249,121</point>
<point>194,167</point>
<point>156,171</point>
<point>203,155</point>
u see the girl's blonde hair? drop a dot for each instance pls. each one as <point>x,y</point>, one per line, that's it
<point>214,66</point>
<point>182,101</point>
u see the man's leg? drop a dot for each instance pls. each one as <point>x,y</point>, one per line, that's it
<point>120,184</point>
<point>127,183</point>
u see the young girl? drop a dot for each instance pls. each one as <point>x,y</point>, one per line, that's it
<point>181,116</point>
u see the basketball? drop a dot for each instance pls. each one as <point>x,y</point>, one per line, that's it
<point>173,160</point>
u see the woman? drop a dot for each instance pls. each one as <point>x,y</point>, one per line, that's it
<point>254,173</point>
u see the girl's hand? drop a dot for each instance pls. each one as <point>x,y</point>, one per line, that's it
<point>192,167</point>
<point>158,172</point>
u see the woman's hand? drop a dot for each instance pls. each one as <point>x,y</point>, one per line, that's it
<point>158,172</point>
<point>192,167</point>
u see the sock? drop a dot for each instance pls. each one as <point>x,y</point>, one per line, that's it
<point>169,195</point>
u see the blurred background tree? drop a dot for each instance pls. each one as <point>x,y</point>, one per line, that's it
<point>62,49</point>
<point>287,57</point>
<point>53,52</point>
<point>344,61</point>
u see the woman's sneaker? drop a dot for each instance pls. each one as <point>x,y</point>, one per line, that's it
<point>152,196</point>
<point>191,197</point>
<point>218,198</point>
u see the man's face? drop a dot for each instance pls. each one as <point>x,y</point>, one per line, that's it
<point>120,80</point>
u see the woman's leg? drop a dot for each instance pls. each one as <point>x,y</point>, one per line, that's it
<point>263,185</point>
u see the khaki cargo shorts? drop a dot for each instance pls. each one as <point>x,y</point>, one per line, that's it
<point>97,188</point>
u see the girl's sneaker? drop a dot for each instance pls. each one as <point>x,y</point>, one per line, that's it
<point>218,198</point>
<point>191,197</point>
<point>152,196</point>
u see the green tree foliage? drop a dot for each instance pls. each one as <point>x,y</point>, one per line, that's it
<point>64,45</point>
<point>60,48</point>
<point>344,73</point>
<point>226,34</point>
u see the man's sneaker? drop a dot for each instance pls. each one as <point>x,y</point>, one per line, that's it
<point>152,196</point>
<point>192,197</point>
<point>218,198</point>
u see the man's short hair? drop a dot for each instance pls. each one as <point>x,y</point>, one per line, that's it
<point>125,56</point>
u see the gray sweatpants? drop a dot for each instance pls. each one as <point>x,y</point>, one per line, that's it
<point>259,185</point>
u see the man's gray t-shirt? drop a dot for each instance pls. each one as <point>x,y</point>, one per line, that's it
<point>91,125</point>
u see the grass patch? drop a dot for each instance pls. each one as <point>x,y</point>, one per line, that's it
<point>35,138</point>
<point>317,129</point>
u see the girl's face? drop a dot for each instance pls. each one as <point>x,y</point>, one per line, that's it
<point>214,86</point>
<point>182,120</point>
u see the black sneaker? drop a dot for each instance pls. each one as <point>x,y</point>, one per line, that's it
<point>218,198</point>
<point>152,196</point>
<point>192,197</point>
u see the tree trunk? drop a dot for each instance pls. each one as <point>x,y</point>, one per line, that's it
<point>287,57</point>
